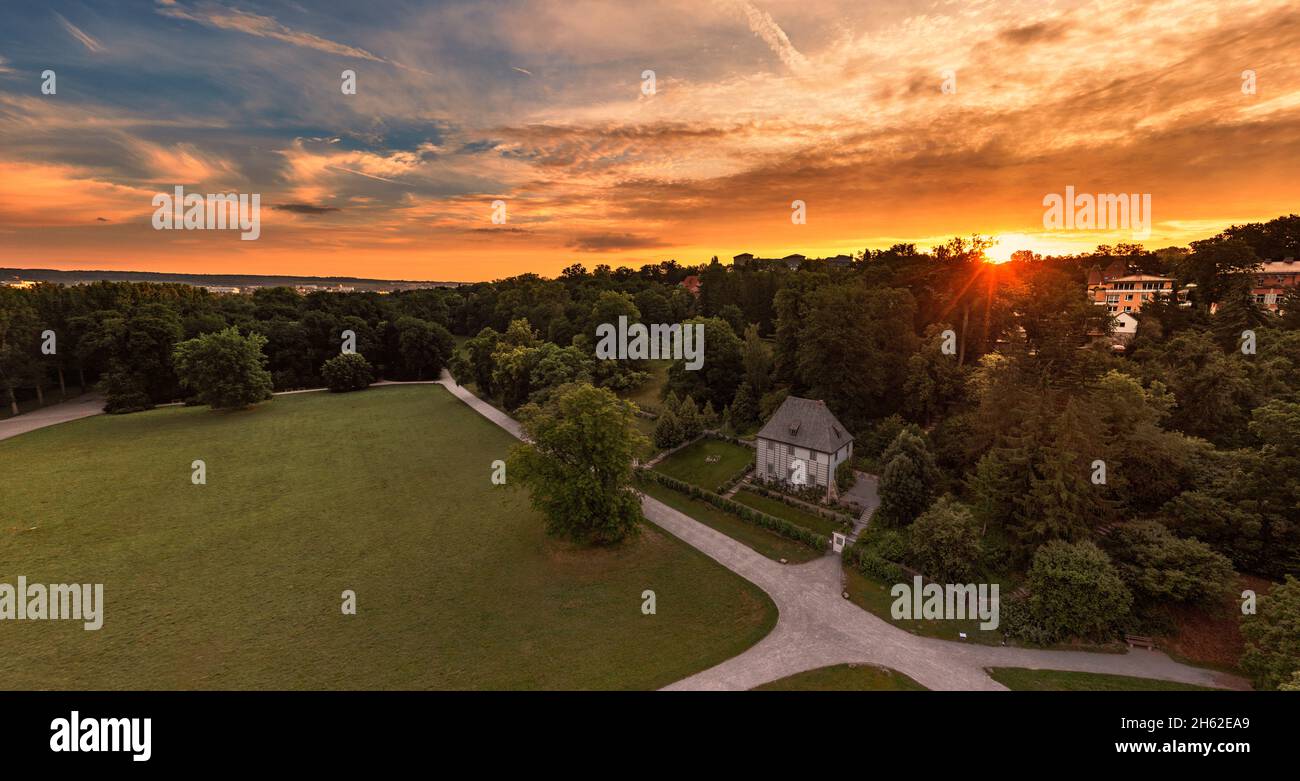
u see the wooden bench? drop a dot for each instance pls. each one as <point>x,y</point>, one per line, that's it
<point>1143,641</point>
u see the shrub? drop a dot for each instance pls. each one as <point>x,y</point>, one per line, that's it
<point>1075,591</point>
<point>945,542</point>
<point>347,372</point>
<point>1018,620</point>
<point>844,476</point>
<point>1160,567</point>
<point>867,560</point>
<point>1272,636</point>
<point>124,392</point>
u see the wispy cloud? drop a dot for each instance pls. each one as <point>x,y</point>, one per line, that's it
<point>76,32</point>
<point>851,120</point>
<point>263,27</point>
<point>765,27</point>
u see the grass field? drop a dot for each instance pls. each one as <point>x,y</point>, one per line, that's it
<point>844,678</point>
<point>1021,679</point>
<point>768,543</point>
<point>648,395</point>
<point>691,464</point>
<point>874,597</point>
<point>795,515</point>
<point>237,583</point>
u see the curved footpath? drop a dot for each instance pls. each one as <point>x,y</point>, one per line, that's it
<point>82,406</point>
<point>816,626</point>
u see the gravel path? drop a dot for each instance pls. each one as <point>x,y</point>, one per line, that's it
<point>83,406</point>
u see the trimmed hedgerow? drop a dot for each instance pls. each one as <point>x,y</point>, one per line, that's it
<point>748,514</point>
<point>869,562</point>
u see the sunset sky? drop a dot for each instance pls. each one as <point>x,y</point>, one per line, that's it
<point>838,103</point>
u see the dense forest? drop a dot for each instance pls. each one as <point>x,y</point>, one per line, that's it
<point>991,446</point>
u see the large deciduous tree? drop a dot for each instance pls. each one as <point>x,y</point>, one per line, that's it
<point>577,464</point>
<point>224,369</point>
<point>723,368</point>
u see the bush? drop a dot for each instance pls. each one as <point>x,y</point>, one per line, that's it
<point>945,542</point>
<point>869,561</point>
<point>1075,591</point>
<point>124,392</point>
<point>844,476</point>
<point>347,372</point>
<point>1161,567</point>
<point>1272,636</point>
<point>1018,620</point>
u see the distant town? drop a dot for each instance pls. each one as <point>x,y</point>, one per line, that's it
<point>215,283</point>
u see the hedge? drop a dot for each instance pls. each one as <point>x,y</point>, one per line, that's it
<point>872,564</point>
<point>763,489</point>
<point>727,486</point>
<point>715,434</point>
<point>748,514</point>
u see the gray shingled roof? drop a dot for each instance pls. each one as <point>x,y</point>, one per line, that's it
<point>805,423</point>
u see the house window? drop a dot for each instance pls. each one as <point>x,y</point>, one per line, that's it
<point>789,450</point>
<point>812,455</point>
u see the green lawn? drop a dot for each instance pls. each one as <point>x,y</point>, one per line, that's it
<point>648,395</point>
<point>1021,679</point>
<point>795,515</point>
<point>768,543</point>
<point>237,583</point>
<point>691,464</point>
<point>844,678</point>
<point>874,597</point>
